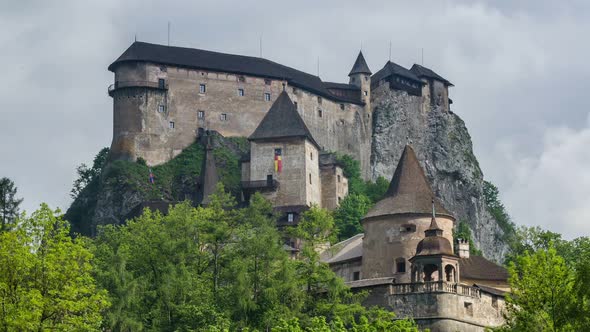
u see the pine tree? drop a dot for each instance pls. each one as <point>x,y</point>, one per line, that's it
<point>8,204</point>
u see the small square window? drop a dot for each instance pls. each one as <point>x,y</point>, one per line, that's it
<point>319,100</point>
<point>266,96</point>
<point>241,79</point>
<point>223,117</point>
<point>161,83</point>
<point>290,217</point>
<point>342,107</point>
<point>201,114</point>
<point>241,92</point>
<point>295,90</point>
<point>202,88</point>
<point>267,81</point>
<point>356,275</point>
<point>171,125</point>
<point>161,108</point>
<point>320,113</point>
<point>366,93</point>
<point>401,267</point>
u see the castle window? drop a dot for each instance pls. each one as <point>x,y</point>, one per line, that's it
<point>339,200</point>
<point>266,96</point>
<point>241,79</point>
<point>290,217</point>
<point>171,125</point>
<point>366,93</point>
<point>367,78</point>
<point>309,178</point>
<point>468,308</point>
<point>267,81</point>
<point>223,117</point>
<point>241,92</point>
<point>295,90</point>
<point>161,109</point>
<point>311,155</point>
<point>400,265</point>
<point>201,114</point>
<point>161,83</point>
<point>320,113</point>
<point>202,88</point>
<point>338,177</point>
<point>356,275</point>
<point>407,228</point>
<point>342,107</point>
<point>295,103</point>
<point>320,100</point>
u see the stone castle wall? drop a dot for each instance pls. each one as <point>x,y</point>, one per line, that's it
<point>141,130</point>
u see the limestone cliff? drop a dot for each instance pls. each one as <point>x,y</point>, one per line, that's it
<point>444,148</point>
<point>122,185</point>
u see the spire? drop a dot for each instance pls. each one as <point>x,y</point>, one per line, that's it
<point>360,66</point>
<point>282,121</point>
<point>409,190</point>
<point>210,177</point>
<point>433,230</point>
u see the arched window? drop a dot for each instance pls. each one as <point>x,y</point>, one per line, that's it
<point>450,273</point>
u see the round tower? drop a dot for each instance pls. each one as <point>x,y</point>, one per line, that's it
<point>396,224</point>
<point>360,75</point>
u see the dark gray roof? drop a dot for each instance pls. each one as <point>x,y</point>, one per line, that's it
<point>409,191</point>
<point>392,68</point>
<point>223,62</point>
<point>422,71</point>
<point>282,121</point>
<point>479,268</point>
<point>340,86</point>
<point>360,66</point>
<point>344,251</point>
<point>370,282</point>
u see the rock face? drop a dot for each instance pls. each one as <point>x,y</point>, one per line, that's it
<point>443,146</point>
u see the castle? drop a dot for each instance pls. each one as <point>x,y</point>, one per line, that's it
<point>166,97</point>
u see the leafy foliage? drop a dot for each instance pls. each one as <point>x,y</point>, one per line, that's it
<point>497,209</point>
<point>90,175</point>
<point>45,278</point>
<point>462,231</point>
<point>8,204</point>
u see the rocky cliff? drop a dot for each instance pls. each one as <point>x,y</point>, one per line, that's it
<point>444,148</point>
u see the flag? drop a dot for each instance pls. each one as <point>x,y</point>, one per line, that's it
<point>151,177</point>
<point>278,160</point>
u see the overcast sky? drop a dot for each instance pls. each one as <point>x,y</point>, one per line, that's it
<point>521,71</point>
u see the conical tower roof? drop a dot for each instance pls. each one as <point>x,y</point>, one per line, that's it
<point>360,66</point>
<point>282,121</point>
<point>409,191</point>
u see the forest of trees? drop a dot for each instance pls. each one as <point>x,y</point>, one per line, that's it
<point>220,268</point>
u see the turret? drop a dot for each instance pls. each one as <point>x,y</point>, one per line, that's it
<point>360,75</point>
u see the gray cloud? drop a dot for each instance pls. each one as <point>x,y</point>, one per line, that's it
<point>520,70</point>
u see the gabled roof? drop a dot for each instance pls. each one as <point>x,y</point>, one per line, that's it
<point>360,66</point>
<point>409,191</point>
<point>223,62</point>
<point>282,121</point>
<point>422,71</point>
<point>392,68</point>
<point>479,268</point>
<point>346,250</point>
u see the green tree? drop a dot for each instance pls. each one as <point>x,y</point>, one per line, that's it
<point>496,208</point>
<point>542,294</point>
<point>375,191</point>
<point>45,277</point>
<point>8,204</point>
<point>89,175</point>
<point>348,215</point>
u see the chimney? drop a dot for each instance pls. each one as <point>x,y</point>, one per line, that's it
<point>463,248</point>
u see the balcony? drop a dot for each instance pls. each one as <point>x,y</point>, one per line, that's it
<point>435,287</point>
<point>160,85</point>
<point>261,185</point>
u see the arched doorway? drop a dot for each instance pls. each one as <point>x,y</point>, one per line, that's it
<point>430,272</point>
<point>450,275</point>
